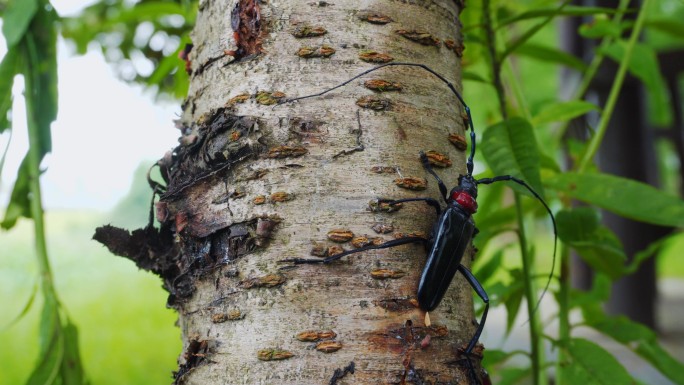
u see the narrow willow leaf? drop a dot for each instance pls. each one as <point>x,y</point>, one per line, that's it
<point>553,12</point>
<point>625,197</point>
<point>593,365</point>
<point>551,55</point>
<point>16,19</point>
<point>24,310</point>
<point>19,204</point>
<point>563,111</point>
<point>510,148</point>
<point>517,41</point>
<point>596,244</point>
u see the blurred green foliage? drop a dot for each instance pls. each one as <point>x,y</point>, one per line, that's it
<point>141,38</point>
<point>127,336</point>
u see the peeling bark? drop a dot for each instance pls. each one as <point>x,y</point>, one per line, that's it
<point>254,182</point>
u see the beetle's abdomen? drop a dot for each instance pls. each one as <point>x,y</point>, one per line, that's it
<point>451,236</point>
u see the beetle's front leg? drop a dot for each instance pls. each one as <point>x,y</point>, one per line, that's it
<point>388,244</point>
<point>429,201</point>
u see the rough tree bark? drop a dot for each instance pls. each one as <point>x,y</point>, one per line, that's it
<point>254,182</point>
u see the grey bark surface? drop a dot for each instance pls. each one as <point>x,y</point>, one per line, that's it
<point>243,307</point>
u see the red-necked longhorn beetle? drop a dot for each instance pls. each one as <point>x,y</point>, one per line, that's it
<point>453,230</point>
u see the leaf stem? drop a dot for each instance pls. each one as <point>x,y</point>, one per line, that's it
<point>595,63</point>
<point>34,158</point>
<point>536,330</point>
<point>563,314</point>
<point>614,92</point>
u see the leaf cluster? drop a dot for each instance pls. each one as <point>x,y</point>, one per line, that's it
<point>142,39</point>
<point>30,29</point>
<point>509,48</point>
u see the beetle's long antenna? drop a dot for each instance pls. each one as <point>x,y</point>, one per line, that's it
<point>469,162</point>
<point>470,126</point>
<point>553,220</point>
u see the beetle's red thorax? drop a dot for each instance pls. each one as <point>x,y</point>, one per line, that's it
<point>465,200</point>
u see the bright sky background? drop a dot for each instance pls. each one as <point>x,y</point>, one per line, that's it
<point>104,130</point>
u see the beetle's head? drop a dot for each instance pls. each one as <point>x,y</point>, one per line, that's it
<point>468,184</point>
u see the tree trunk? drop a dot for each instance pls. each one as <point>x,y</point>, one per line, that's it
<point>255,182</point>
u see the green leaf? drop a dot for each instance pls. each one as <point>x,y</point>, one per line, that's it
<point>643,341</point>
<point>472,76</point>
<point>72,368</point>
<point>551,55</point>
<point>495,357</point>
<point>487,271</point>
<point>510,148</point>
<point>554,12</point>
<point>662,360</point>
<point>600,28</point>
<point>513,375</point>
<point>16,19</point>
<point>593,365</point>
<point>512,303</point>
<point>563,111</point>
<point>24,310</point>
<point>517,41</point>
<point>644,65</point>
<point>547,162</point>
<point>596,244</point>
<point>647,253</point>
<point>670,26</point>
<point>600,292</point>
<point>19,204</point>
<point>41,74</point>
<point>4,155</point>
<point>149,11</point>
<point>511,296</point>
<point>625,197</point>
<point>51,340</point>
<point>8,69</point>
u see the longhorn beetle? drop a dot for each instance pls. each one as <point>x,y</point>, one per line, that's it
<point>453,229</point>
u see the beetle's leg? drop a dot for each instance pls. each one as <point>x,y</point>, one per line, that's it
<point>392,243</point>
<point>548,210</point>
<point>428,168</point>
<point>430,201</point>
<point>477,286</point>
